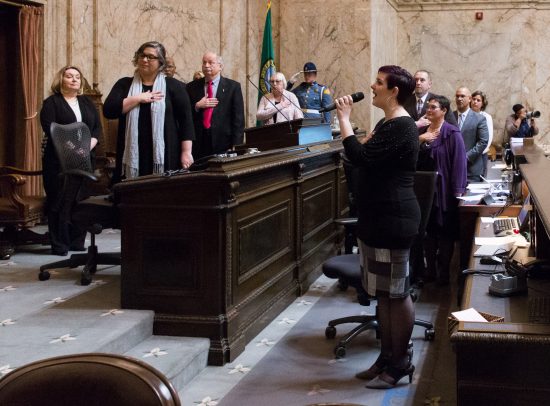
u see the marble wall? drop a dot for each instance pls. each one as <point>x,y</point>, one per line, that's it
<point>503,54</point>
<point>187,28</point>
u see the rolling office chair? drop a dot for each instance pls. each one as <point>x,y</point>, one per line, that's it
<point>72,145</point>
<point>347,269</point>
<point>86,380</point>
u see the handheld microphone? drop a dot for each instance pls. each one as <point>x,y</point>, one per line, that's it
<point>355,97</point>
<point>267,98</point>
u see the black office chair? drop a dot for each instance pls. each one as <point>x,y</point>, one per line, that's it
<point>346,268</point>
<point>93,214</point>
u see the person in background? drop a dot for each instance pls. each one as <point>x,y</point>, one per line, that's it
<point>198,75</point>
<point>473,127</point>
<point>218,109</point>
<point>311,95</point>
<point>478,104</point>
<point>417,104</point>
<point>170,68</point>
<point>388,220</point>
<point>442,150</point>
<point>66,105</point>
<point>155,126</point>
<point>518,125</point>
<point>280,104</point>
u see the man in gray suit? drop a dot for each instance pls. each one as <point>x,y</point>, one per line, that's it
<point>475,133</point>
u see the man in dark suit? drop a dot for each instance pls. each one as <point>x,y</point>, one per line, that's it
<point>475,133</point>
<point>417,104</point>
<point>218,109</point>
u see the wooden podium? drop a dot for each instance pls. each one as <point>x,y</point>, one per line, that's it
<point>288,134</point>
<point>220,252</point>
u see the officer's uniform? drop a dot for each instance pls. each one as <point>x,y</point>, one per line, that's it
<point>312,96</point>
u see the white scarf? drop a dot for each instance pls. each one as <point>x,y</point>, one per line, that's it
<point>130,160</point>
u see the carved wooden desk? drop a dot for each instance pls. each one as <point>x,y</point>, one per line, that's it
<point>221,252</point>
<point>508,363</point>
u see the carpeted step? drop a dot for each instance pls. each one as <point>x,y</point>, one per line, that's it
<point>59,331</point>
<point>179,358</point>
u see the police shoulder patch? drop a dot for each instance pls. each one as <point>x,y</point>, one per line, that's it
<point>326,91</point>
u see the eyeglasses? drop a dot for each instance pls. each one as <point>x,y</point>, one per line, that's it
<point>275,81</point>
<point>432,107</point>
<point>148,57</point>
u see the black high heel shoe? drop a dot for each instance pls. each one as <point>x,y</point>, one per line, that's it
<point>381,364</point>
<point>393,372</point>
<point>376,369</point>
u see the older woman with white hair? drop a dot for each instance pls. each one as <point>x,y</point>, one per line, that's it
<point>280,104</point>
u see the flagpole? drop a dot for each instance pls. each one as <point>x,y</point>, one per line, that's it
<point>267,62</point>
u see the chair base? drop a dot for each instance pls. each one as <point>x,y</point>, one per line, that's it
<point>366,322</point>
<point>90,261</point>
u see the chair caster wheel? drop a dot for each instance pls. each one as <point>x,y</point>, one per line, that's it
<point>429,334</point>
<point>340,352</point>
<point>330,332</point>
<point>85,280</point>
<point>43,276</point>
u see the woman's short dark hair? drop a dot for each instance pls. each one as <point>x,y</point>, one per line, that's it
<point>161,52</point>
<point>444,103</point>
<point>484,101</point>
<point>57,83</point>
<point>397,76</point>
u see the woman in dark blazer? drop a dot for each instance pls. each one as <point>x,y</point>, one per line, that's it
<point>66,105</point>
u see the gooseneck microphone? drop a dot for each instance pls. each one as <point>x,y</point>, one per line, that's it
<point>355,97</point>
<point>267,98</point>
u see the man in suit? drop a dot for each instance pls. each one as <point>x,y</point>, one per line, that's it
<point>418,103</point>
<point>475,133</point>
<point>218,109</point>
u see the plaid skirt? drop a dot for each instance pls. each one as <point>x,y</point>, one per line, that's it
<point>385,271</point>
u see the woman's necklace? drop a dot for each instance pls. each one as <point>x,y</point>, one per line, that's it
<point>73,101</point>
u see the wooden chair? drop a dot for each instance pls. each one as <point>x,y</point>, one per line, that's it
<point>18,213</point>
<point>85,380</point>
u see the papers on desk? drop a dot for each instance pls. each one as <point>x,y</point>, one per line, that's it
<point>472,198</point>
<point>478,187</point>
<point>499,166</point>
<point>495,245</point>
<point>470,314</point>
<point>516,140</point>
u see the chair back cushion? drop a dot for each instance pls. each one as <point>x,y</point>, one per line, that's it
<point>85,380</point>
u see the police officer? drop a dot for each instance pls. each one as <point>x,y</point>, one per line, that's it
<point>311,95</point>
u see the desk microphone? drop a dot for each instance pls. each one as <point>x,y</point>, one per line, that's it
<point>355,97</point>
<point>270,102</point>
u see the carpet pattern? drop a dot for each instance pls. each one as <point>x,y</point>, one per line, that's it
<point>300,368</point>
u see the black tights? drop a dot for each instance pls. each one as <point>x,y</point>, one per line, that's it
<point>396,322</point>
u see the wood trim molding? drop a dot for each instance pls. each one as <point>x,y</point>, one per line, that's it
<point>445,5</point>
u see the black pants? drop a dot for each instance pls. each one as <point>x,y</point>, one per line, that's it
<point>63,235</point>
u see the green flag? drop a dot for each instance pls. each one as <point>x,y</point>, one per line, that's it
<point>267,66</point>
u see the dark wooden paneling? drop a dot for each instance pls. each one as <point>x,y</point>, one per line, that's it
<point>219,253</point>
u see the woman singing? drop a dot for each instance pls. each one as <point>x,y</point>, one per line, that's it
<point>388,217</point>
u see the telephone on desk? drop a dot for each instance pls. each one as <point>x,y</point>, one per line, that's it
<point>514,280</point>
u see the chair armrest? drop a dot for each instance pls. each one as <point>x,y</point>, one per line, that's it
<point>346,221</point>
<point>11,188</point>
<point>6,170</point>
<point>80,174</point>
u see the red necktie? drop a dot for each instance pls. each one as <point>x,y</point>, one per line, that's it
<point>207,114</point>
